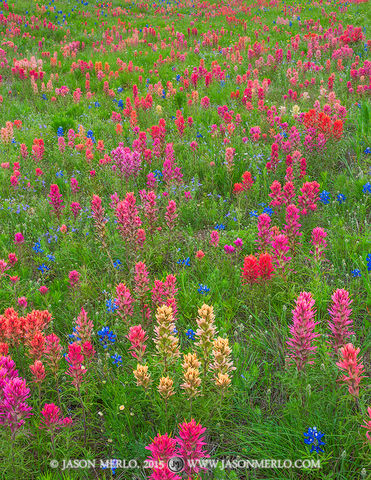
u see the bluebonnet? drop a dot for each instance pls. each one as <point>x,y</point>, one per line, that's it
<point>106,337</point>
<point>356,273</point>
<point>325,197</point>
<point>117,264</point>
<point>111,306</point>
<point>59,174</point>
<point>158,175</point>
<point>51,258</point>
<point>368,261</point>
<point>37,247</point>
<point>341,198</point>
<point>43,267</point>
<point>116,359</point>
<point>199,135</point>
<point>253,213</point>
<point>60,132</point>
<point>90,135</point>
<point>96,104</point>
<point>120,89</point>
<point>314,438</point>
<point>191,334</point>
<point>367,151</point>
<point>203,289</point>
<point>367,187</point>
<point>186,262</point>
<point>268,210</point>
<point>219,227</point>
<point>177,77</point>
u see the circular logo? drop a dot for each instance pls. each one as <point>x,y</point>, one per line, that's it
<point>175,464</point>
<point>54,463</point>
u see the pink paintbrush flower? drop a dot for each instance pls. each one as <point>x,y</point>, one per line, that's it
<point>13,407</point>
<point>75,359</point>
<point>353,368</point>
<point>191,445</point>
<point>300,344</point>
<point>137,336</point>
<point>341,325</point>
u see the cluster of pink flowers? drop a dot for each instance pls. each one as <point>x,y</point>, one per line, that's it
<point>14,409</point>
<point>56,200</point>
<point>189,446</point>
<point>301,346</point>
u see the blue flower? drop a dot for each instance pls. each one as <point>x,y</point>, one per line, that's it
<point>73,336</point>
<point>219,227</point>
<point>186,262</point>
<point>368,261</point>
<point>158,175</point>
<point>191,334</point>
<point>90,135</point>
<point>117,264</point>
<point>117,360</point>
<point>60,132</point>
<point>203,289</point>
<point>268,210</point>
<point>253,213</point>
<point>43,267</point>
<point>367,151</point>
<point>37,247</point>
<point>367,187</point>
<point>341,198</point>
<point>51,258</point>
<point>356,273</point>
<point>111,306</point>
<point>106,337</point>
<point>314,438</point>
<point>325,197</point>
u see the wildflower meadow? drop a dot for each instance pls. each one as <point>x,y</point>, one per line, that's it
<point>185,242</point>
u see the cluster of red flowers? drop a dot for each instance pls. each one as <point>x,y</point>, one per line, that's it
<point>15,329</point>
<point>247,182</point>
<point>323,124</point>
<point>256,269</point>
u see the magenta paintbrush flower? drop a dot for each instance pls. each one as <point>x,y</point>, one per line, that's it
<point>84,327</point>
<point>52,419</point>
<point>341,325</point>
<point>162,449</point>
<point>301,347</point>
<point>191,445</point>
<point>7,371</point>
<point>56,200</point>
<point>13,407</point>
<point>264,231</point>
<point>75,359</point>
<point>124,302</point>
<point>171,214</point>
<point>137,336</point>
<point>319,243</point>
